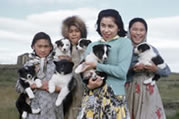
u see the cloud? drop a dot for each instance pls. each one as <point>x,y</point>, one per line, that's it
<point>16,34</point>
<point>164,27</point>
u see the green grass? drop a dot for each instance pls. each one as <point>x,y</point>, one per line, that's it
<point>168,88</point>
<point>8,95</point>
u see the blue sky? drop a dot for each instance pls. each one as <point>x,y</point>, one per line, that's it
<point>21,19</point>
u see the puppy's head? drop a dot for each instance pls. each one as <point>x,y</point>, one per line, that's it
<point>27,72</point>
<point>82,44</point>
<point>64,66</point>
<point>101,51</point>
<point>64,45</point>
<point>141,48</point>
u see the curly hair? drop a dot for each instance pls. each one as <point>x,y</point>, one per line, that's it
<point>74,21</point>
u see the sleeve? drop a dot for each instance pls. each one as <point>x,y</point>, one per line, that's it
<point>124,59</point>
<point>165,71</point>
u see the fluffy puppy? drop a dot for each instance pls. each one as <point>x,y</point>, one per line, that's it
<point>63,78</point>
<point>81,46</point>
<point>147,56</point>
<point>27,76</point>
<point>62,47</point>
<point>98,54</point>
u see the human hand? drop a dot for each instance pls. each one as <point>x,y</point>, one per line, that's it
<point>88,66</point>
<point>65,57</point>
<point>138,67</point>
<point>92,84</point>
<point>33,86</point>
<point>44,85</point>
<point>151,68</point>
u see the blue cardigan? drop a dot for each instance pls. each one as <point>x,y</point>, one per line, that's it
<point>117,63</point>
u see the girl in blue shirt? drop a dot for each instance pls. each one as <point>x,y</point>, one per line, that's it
<point>108,101</point>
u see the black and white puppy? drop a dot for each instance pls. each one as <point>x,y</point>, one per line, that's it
<point>147,56</point>
<point>27,76</point>
<point>81,47</point>
<point>63,78</point>
<point>62,47</point>
<point>99,54</point>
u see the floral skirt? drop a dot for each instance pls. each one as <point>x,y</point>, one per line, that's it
<point>101,103</point>
<point>144,101</point>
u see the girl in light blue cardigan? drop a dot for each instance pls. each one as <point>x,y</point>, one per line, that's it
<point>108,101</point>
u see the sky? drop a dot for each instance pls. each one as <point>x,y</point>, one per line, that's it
<point>20,20</point>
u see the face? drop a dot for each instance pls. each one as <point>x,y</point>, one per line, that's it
<point>108,28</point>
<point>74,34</point>
<point>42,48</point>
<point>137,33</point>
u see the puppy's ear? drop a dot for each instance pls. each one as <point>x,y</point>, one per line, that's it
<point>55,62</point>
<point>108,46</point>
<point>58,42</point>
<point>20,70</point>
<point>88,42</point>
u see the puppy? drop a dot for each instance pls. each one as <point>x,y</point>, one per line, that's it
<point>62,78</point>
<point>81,47</point>
<point>62,47</point>
<point>147,56</point>
<point>98,54</point>
<point>27,76</point>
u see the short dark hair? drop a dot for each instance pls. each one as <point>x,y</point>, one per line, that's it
<point>41,35</point>
<point>137,19</point>
<point>118,20</point>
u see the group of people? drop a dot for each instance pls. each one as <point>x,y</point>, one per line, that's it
<point>123,96</point>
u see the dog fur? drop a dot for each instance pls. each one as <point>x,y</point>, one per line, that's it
<point>62,47</point>
<point>147,56</point>
<point>98,54</point>
<point>27,76</point>
<point>81,47</point>
<point>64,79</point>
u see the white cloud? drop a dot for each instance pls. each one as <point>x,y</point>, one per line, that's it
<point>166,27</point>
<point>163,32</point>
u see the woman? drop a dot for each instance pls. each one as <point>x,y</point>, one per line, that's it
<point>42,58</point>
<point>74,28</point>
<point>108,101</point>
<point>144,100</point>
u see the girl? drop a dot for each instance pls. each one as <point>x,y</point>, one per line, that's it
<point>42,58</point>
<point>108,101</point>
<point>144,100</point>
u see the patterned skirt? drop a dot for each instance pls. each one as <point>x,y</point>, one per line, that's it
<point>101,103</point>
<point>144,101</point>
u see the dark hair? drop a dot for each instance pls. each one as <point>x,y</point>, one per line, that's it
<point>118,20</point>
<point>41,35</point>
<point>137,19</point>
<point>75,21</point>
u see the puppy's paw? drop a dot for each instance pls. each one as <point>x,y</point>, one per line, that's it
<point>24,115</point>
<point>58,102</point>
<point>79,69</point>
<point>36,111</point>
<point>147,81</point>
<point>51,89</point>
<point>38,83</point>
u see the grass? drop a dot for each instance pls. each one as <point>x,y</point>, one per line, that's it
<point>8,95</point>
<point>168,88</point>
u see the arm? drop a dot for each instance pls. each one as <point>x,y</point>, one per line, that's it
<point>120,69</point>
<point>164,72</point>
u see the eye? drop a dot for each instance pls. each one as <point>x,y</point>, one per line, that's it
<point>29,76</point>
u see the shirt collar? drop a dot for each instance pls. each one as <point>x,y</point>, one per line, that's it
<point>114,38</point>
